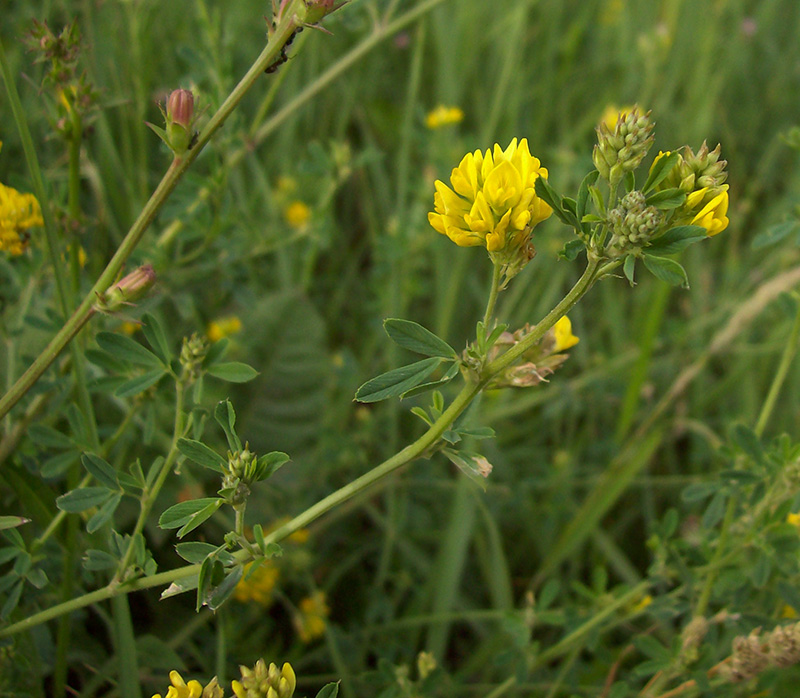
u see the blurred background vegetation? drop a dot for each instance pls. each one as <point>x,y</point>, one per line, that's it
<point>426,561</point>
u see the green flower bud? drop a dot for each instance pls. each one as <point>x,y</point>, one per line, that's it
<point>179,117</point>
<point>263,682</point>
<point>193,352</point>
<point>623,149</point>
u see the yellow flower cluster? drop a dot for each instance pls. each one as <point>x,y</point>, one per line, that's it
<point>181,689</point>
<point>261,681</point>
<point>259,585</point>
<point>223,327</point>
<point>493,201</point>
<point>443,116</point>
<point>18,212</point>
<point>312,617</point>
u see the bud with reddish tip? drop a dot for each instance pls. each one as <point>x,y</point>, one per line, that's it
<point>179,117</point>
<point>128,289</point>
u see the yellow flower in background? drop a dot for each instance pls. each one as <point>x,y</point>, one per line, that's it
<point>612,113</point>
<point>223,327</point>
<point>713,216</point>
<point>129,328</point>
<point>181,689</point>
<point>18,212</point>
<point>312,616</point>
<point>563,335</point>
<point>793,519</point>
<point>258,586</point>
<point>297,214</point>
<point>443,116</point>
<point>493,201</point>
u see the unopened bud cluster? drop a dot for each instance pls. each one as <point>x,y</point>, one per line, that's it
<point>622,150</point>
<point>193,353</point>
<point>697,170</point>
<point>633,223</point>
<point>265,682</point>
<point>754,653</point>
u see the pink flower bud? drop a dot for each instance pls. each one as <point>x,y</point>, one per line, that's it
<point>180,108</point>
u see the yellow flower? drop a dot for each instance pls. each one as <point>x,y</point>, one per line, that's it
<point>129,328</point>
<point>297,214</point>
<point>713,216</point>
<point>257,586</point>
<point>223,327</point>
<point>180,689</point>
<point>310,621</point>
<point>793,519</point>
<point>612,113</point>
<point>18,212</point>
<point>563,334</point>
<point>493,201</point>
<point>443,116</point>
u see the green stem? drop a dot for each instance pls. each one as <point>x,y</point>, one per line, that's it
<point>170,180</point>
<point>150,493</point>
<point>348,491</point>
<point>487,316</point>
<point>127,658</point>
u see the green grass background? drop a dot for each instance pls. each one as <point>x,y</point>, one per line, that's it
<point>427,562</point>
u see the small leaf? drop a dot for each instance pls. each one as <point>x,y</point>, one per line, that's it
<point>46,436</point>
<point>224,590</point>
<point>180,586</point>
<point>667,270</point>
<point>473,465</point>
<point>232,371</point>
<point>477,432</point>
<point>104,513</point>
<point>12,521</point>
<point>452,372</point>
<point>547,194</point>
<point>123,347</point>
<point>678,239</point>
<point>201,454</point>
<point>156,337</point>
<point>197,551</point>
<point>747,440</point>
<point>330,690</point>
<point>698,491</point>
<point>226,418</point>
<point>271,463</point>
<point>715,510</point>
<point>396,382</point>
<point>98,560</point>
<point>583,193</point>
<point>660,170</point>
<point>82,499</point>
<point>571,250</point>
<point>100,470</point>
<point>216,351</point>
<point>416,338</point>
<point>201,516</point>
<point>181,513</point>
<point>775,233</point>
<point>139,384</point>
<point>666,199</point>
<point>629,267</point>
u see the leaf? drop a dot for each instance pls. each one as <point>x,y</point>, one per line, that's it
<point>98,560</point>
<point>232,371</point>
<point>272,462</point>
<point>571,250</point>
<point>180,514</point>
<point>775,233</point>
<point>451,373</point>
<point>629,267</point>
<point>416,338</point>
<point>104,513</point>
<point>226,418</point>
<point>201,454</point>
<point>180,586</point>
<point>156,337</point>
<point>197,551</point>
<point>678,239</point>
<point>123,347</point>
<point>547,194</point>
<point>394,383</point>
<point>100,470</point>
<point>201,516</point>
<point>660,170</point>
<point>477,432</point>
<point>667,270</point>
<point>698,491</point>
<point>12,521</point>
<point>225,589</point>
<point>666,199</point>
<point>473,465</point>
<point>46,436</point>
<point>747,440</point>
<point>140,383</point>
<point>330,690</point>
<point>583,193</point>
<point>82,499</point>
<point>715,510</point>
